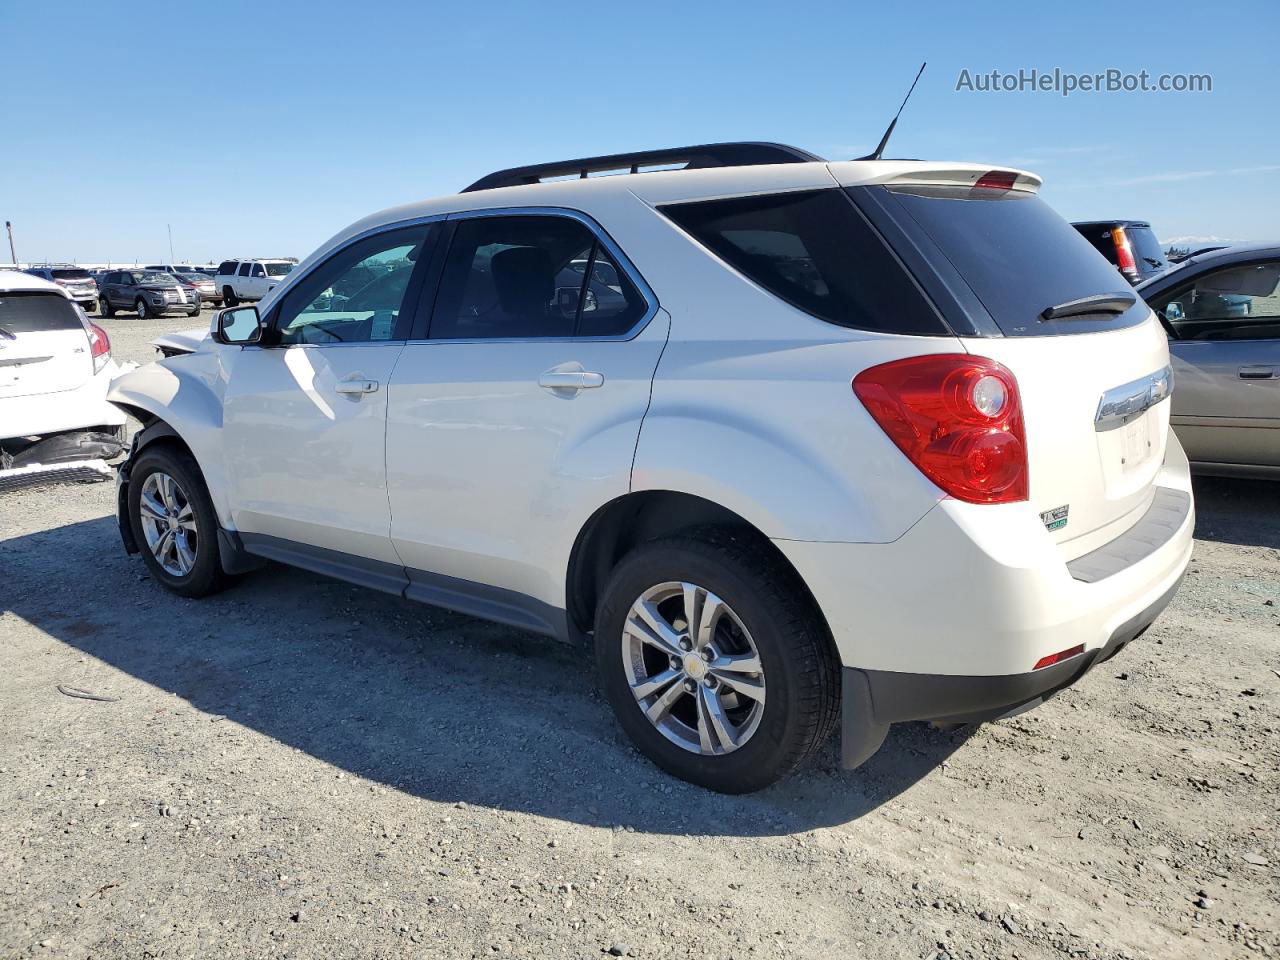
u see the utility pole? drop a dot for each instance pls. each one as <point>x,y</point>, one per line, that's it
<point>170,228</point>
<point>9,226</point>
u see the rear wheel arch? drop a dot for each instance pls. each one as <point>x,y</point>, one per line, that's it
<point>625,523</point>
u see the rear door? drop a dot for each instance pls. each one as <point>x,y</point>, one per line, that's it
<point>514,414</point>
<point>1226,358</point>
<point>44,346</point>
<point>1093,379</point>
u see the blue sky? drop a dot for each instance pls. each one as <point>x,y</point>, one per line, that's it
<point>262,129</point>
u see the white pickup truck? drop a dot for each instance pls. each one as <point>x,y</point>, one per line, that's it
<point>249,280</point>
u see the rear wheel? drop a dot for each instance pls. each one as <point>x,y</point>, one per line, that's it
<point>194,311</point>
<point>142,309</point>
<point>715,662</point>
<point>229,297</point>
<point>173,522</point>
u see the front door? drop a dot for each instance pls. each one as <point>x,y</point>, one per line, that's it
<point>518,412</point>
<point>1226,360</point>
<point>305,419</point>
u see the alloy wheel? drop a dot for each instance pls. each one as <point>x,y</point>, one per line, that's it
<point>693,668</point>
<point>168,524</point>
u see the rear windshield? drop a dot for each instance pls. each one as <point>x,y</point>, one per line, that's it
<point>23,312</point>
<point>70,274</point>
<point>1018,256</point>
<point>814,250</point>
<point>1146,250</point>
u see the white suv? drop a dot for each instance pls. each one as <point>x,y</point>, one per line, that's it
<point>249,280</point>
<point>789,440</point>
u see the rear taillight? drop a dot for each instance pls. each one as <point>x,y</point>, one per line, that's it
<point>1124,252</point>
<point>99,347</point>
<point>957,417</point>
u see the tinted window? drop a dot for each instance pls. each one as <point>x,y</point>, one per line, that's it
<point>70,274</point>
<point>37,313</point>
<point>1018,256</point>
<point>258,271</point>
<point>1240,302</point>
<point>815,251</point>
<point>1100,238</point>
<point>611,304</point>
<point>277,269</point>
<point>514,277</point>
<point>1146,250</point>
<point>227,267</point>
<point>357,295</point>
<point>244,270</point>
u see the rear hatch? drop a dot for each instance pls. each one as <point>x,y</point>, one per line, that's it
<point>1091,375</point>
<point>44,346</point>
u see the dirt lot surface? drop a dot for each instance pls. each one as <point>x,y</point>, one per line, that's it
<point>298,768</point>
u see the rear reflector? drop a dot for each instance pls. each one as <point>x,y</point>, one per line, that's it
<point>957,417</point>
<point>1053,658</point>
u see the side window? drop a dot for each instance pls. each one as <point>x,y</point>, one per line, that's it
<point>244,270</point>
<point>357,296</point>
<point>227,267</point>
<point>611,304</point>
<point>258,271</point>
<point>1235,303</point>
<point>512,278</point>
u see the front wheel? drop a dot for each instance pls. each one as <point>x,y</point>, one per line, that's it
<point>142,309</point>
<point>715,662</point>
<point>173,522</point>
<point>105,308</point>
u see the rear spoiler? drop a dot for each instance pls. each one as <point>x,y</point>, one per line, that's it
<point>980,178</point>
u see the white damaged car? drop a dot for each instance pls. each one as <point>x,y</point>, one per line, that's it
<point>55,367</point>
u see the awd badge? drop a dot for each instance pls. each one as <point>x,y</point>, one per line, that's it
<point>1056,518</point>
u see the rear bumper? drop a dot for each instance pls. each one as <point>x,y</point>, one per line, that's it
<point>45,413</point>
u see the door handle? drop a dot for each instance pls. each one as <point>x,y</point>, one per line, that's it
<point>356,386</point>
<point>1257,373</point>
<point>556,379</point>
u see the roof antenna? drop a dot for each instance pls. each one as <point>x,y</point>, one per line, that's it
<point>879,151</point>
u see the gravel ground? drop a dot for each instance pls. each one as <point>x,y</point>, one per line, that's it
<point>299,768</point>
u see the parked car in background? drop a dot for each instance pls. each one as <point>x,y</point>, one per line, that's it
<point>1222,312</point>
<point>205,289</point>
<point>1130,245</point>
<point>78,282</point>
<point>148,293</point>
<point>250,280</point>
<point>55,365</point>
<point>869,440</point>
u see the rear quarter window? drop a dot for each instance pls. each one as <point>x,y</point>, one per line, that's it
<point>35,312</point>
<point>815,251</point>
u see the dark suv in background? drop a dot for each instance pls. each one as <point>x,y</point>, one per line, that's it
<point>1129,244</point>
<point>148,293</point>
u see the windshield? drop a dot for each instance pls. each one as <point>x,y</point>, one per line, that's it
<point>194,277</point>
<point>70,274</point>
<point>154,278</point>
<point>1019,257</point>
<point>278,269</point>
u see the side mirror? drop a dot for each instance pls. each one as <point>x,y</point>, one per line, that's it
<point>1173,311</point>
<point>237,326</point>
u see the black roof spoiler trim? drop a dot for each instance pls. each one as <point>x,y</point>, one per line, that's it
<point>694,158</point>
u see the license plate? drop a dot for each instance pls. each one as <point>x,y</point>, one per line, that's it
<point>1135,443</point>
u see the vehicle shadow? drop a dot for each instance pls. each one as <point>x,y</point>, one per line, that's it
<point>429,702</point>
<point>1243,512</point>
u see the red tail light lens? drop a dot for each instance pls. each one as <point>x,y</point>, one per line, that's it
<point>996,180</point>
<point>99,346</point>
<point>1124,253</point>
<point>958,418</point>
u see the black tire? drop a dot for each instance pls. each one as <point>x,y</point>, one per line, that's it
<point>206,575</point>
<point>105,308</point>
<point>229,297</point>
<point>141,308</point>
<point>798,663</point>
<point>194,313</point>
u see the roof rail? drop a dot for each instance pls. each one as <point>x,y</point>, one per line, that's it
<point>693,158</point>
